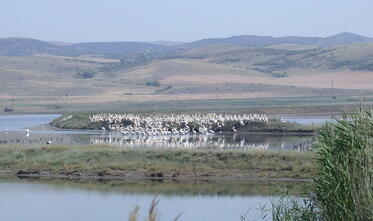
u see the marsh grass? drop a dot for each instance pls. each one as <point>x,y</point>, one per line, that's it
<point>344,180</point>
<point>111,160</point>
<point>344,155</point>
<point>294,208</point>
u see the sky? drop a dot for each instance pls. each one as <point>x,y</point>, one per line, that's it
<point>180,20</point>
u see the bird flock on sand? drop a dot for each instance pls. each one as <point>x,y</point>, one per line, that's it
<point>173,124</point>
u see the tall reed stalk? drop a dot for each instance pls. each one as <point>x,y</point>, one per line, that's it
<point>152,213</point>
<point>344,159</point>
<point>343,154</point>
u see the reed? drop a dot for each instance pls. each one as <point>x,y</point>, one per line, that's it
<point>343,187</point>
<point>152,213</point>
<point>344,156</point>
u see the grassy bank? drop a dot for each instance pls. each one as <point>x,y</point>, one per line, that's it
<point>109,162</point>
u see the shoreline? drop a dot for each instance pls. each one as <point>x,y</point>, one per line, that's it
<point>190,134</point>
<point>74,175</point>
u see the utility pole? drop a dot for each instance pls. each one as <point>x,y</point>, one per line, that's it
<point>333,96</point>
<point>216,90</point>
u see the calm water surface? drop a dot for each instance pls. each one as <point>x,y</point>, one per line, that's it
<point>310,120</point>
<point>66,200</point>
<point>13,131</point>
<point>22,199</point>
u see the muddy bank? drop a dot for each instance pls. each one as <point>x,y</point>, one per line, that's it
<point>135,175</point>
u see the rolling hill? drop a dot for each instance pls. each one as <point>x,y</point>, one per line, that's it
<point>262,41</point>
<point>40,76</point>
<point>114,48</point>
<point>25,46</point>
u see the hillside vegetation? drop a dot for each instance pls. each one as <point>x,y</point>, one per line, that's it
<point>37,75</point>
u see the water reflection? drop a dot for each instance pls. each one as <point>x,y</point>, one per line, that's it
<point>113,200</point>
<point>169,187</point>
<point>213,142</point>
<point>210,142</point>
<point>13,132</point>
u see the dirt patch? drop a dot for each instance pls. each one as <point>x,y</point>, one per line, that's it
<point>341,80</point>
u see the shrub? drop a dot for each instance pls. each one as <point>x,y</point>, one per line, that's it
<point>154,83</point>
<point>85,74</point>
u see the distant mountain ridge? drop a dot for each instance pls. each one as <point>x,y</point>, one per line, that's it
<point>26,46</point>
<point>262,41</point>
<point>114,48</point>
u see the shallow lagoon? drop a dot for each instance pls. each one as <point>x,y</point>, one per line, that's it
<point>13,132</point>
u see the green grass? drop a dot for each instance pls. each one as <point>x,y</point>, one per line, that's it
<point>109,161</point>
<point>344,158</point>
<point>344,178</point>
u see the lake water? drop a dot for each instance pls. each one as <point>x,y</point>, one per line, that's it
<point>13,131</point>
<point>61,200</point>
<point>310,120</point>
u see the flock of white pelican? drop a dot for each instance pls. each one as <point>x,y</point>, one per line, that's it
<point>173,124</point>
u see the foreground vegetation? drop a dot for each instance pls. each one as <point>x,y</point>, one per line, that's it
<point>109,162</point>
<point>344,179</point>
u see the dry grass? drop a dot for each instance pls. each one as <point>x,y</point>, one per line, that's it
<point>152,213</point>
<point>27,80</point>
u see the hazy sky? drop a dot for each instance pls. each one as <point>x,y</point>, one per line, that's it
<point>180,20</point>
